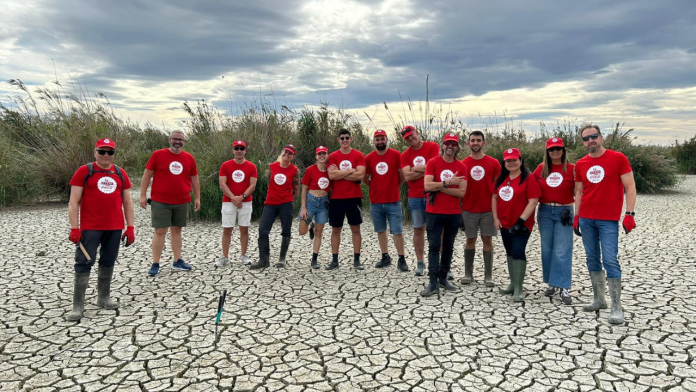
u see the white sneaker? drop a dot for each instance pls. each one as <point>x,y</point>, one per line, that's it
<point>246,260</point>
<point>222,262</point>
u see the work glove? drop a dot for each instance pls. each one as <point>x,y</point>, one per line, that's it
<point>128,236</point>
<point>576,226</point>
<point>628,223</point>
<point>519,228</point>
<point>566,217</point>
<point>461,227</point>
<point>75,236</point>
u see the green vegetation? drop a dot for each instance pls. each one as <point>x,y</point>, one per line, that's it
<point>685,155</point>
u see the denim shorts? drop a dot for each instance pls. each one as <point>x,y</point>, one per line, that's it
<point>381,212</point>
<point>316,209</point>
<point>417,207</point>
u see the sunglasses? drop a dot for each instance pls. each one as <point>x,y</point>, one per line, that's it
<point>555,149</point>
<point>451,143</point>
<point>240,148</point>
<point>110,152</point>
<point>345,138</point>
<point>588,137</point>
<point>176,139</point>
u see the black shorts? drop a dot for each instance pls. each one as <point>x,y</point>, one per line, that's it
<point>345,208</point>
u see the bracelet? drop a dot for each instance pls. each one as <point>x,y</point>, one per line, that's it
<point>444,185</point>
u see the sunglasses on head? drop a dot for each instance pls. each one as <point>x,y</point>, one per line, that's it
<point>588,137</point>
<point>554,149</point>
<point>345,138</point>
<point>240,148</point>
<point>110,152</point>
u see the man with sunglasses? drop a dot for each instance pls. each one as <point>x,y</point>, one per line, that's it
<point>413,162</point>
<point>173,172</point>
<point>237,181</point>
<point>346,169</point>
<point>601,178</point>
<point>100,198</point>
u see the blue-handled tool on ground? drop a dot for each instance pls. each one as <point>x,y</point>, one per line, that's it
<point>221,304</point>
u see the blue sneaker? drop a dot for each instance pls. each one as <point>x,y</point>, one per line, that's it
<point>180,265</point>
<point>154,270</point>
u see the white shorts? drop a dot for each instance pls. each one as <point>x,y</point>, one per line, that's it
<point>230,212</point>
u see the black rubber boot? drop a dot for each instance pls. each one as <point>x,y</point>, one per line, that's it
<point>469,255</point>
<point>264,254</point>
<point>104,288</point>
<point>511,287</point>
<point>81,281</point>
<point>488,268</point>
<point>284,245</point>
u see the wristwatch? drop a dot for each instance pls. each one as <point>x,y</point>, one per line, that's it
<point>244,196</point>
<point>631,213</point>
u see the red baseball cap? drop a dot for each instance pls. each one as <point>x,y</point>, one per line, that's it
<point>511,153</point>
<point>322,149</point>
<point>554,142</point>
<point>239,143</point>
<point>451,137</point>
<point>407,131</point>
<point>379,132</point>
<point>291,148</point>
<point>105,143</point>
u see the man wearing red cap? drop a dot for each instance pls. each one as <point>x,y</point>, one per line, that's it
<point>445,180</point>
<point>173,172</point>
<point>601,179</point>
<point>476,208</point>
<point>384,176</point>
<point>237,181</point>
<point>99,199</point>
<point>413,162</point>
<point>346,170</point>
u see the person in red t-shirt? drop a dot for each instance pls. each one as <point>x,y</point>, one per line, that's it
<point>601,178</point>
<point>516,196</point>
<point>315,201</point>
<point>445,181</point>
<point>99,199</point>
<point>173,172</point>
<point>237,180</point>
<point>555,216</point>
<point>476,208</point>
<point>384,177</point>
<point>413,162</point>
<point>283,185</point>
<point>346,170</point>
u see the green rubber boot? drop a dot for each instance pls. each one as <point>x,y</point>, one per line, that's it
<point>616,315</point>
<point>81,281</point>
<point>598,279</point>
<point>104,289</point>
<point>511,288</point>
<point>519,267</point>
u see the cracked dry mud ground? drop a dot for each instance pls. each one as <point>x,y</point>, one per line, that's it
<point>299,329</point>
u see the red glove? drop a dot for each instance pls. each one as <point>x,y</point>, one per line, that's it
<point>75,236</point>
<point>129,236</point>
<point>576,226</point>
<point>628,223</point>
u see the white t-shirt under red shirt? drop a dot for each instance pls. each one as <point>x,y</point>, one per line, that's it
<point>171,182</point>
<point>101,206</point>
<point>238,177</point>
<point>384,176</point>
<point>602,188</point>
<point>442,170</point>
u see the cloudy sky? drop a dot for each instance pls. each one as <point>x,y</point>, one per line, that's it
<point>535,61</point>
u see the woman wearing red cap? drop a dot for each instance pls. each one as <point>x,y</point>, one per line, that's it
<point>315,198</point>
<point>514,201</point>
<point>555,215</point>
<point>283,185</point>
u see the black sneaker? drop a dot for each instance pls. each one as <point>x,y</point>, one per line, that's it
<point>311,231</point>
<point>445,284</point>
<point>332,266</point>
<point>401,265</point>
<point>430,290</point>
<point>315,264</point>
<point>385,262</point>
<point>565,297</point>
<point>357,265</point>
<point>550,292</point>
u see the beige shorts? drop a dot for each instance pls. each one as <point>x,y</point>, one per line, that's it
<point>475,220</point>
<point>232,214</point>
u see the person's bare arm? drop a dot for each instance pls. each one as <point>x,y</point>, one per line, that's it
<point>402,179</point>
<point>530,208</point>
<point>336,174</point>
<point>144,184</point>
<point>494,206</point>
<point>196,184</point>
<point>358,175</point>
<point>456,191</point>
<point>74,206</point>
<point>296,183</point>
<point>128,208</point>
<point>413,173</point>
<point>629,184</point>
<point>222,180</point>
<point>578,197</point>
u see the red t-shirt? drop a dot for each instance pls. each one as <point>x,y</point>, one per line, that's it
<point>101,206</point>
<point>345,189</point>
<point>419,157</point>
<point>602,189</point>
<point>316,180</point>
<point>171,182</point>
<point>238,177</point>
<point>280,184</point>
<point>479,188</point>
<point>513,199</point>
<point>384,169</point>
<point>558,187</point>
<point>442,170</point>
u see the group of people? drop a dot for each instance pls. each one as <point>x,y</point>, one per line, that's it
<point>445,196</point>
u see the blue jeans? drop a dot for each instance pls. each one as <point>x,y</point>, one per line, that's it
<point>417,207</point>
<point>556,246</point>
<point>602,234</point>
<point>380,212</point>
<point>515,245</point>
<point>316,209</point>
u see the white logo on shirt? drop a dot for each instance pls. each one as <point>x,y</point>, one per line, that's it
<point>345,165</point>
<point>323,182</point>
<point>382,168</point>
<point>554,179</point>
<point>238,176</point>
<point>106,185</point>
<point>477,173</point>
<point>280,179</point>
<point>446,175</point>
<point>176,168</point>
<point>419,161</point>
<point>595,174</point>
<point>506,193</point>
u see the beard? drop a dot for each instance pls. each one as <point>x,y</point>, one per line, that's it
<point>381,146</point>
<point>475,148</point>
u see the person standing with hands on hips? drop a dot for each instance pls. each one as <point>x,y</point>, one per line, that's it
<point>601,178</point>
<point>514,202</point>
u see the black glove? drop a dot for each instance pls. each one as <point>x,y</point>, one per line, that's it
<point>431,197</point>
<point>519,228</point>
<point>566,217</point>
<point>461,227</point>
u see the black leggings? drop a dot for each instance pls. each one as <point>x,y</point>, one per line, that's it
<point>91,239</point>
<point>269,215</point>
